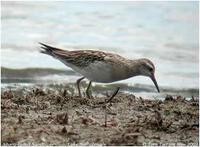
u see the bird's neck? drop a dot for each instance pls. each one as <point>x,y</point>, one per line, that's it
<point>134,67</point>
<point>129,68</point>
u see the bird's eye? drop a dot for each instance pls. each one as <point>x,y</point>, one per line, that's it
<point>151,69</point>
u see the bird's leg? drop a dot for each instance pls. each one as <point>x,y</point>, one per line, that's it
<point>87,90</point>
<point>78,85</point>
<point>114,94</point>
<point>100,104</point>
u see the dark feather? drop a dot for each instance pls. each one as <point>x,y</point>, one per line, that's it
<point>79,58</point>
<point>46,49</point>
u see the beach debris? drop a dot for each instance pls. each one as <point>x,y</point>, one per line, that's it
<point>169,98</point>
<point>62,118</point>
<point>20,119</point>
<point>39,92</point>
<point>124,120</point>
<point>88,120</point>
<point>8,94</point>
<point>64,130</point>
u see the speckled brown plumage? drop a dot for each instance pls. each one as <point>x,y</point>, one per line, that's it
<point>102,67</point>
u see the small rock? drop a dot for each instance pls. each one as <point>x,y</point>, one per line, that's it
<point>169,98</point>
<point>64,130</point>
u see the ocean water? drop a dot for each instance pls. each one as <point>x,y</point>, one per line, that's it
<point>165,32</point>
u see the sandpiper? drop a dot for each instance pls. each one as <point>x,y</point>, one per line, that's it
<point>102,67</point>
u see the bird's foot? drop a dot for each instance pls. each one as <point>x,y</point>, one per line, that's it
<point>110,98</point>
<point>89,94</point>
<point>113,95</point>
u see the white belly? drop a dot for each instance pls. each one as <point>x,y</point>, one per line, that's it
<point>101,72</point>
<point>97,72</point>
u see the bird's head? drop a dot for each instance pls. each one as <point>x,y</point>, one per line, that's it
<point>147,68</point>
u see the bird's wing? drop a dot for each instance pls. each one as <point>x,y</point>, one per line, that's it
<point>80,58</point>
<point>46,49</point>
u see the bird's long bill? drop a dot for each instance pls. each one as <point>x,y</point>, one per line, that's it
<point>155,82</point>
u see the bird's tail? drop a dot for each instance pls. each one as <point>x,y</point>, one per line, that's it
<point>46,49</point>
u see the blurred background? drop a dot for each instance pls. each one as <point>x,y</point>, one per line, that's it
<point>165,32</point>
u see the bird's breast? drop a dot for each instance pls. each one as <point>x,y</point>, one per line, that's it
<point>104,72</point>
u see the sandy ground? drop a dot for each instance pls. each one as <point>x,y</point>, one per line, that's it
<point>56,116</point>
